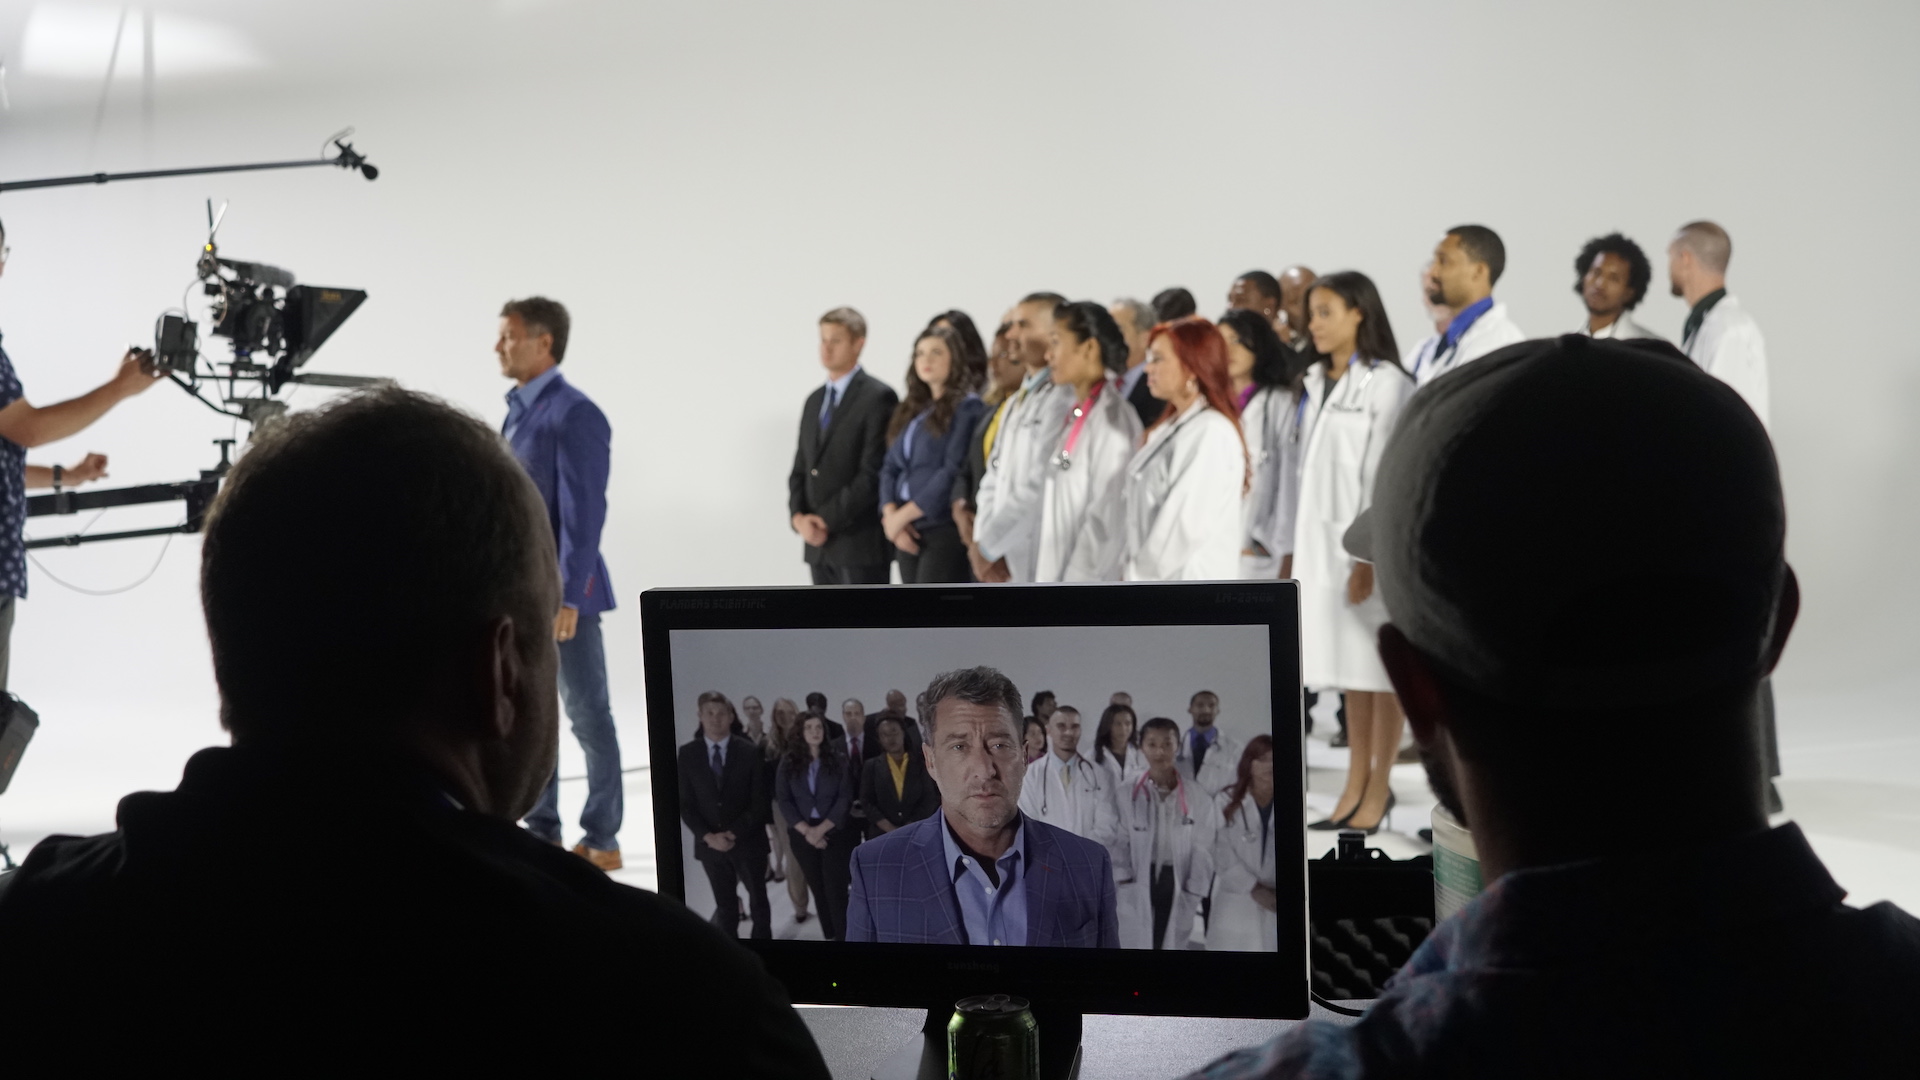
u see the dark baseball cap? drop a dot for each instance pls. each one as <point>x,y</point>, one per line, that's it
<point>1595,522</point>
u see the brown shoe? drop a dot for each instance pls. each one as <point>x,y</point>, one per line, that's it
<point>605,860</point>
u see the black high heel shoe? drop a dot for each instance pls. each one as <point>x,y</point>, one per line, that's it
<point>1384,816</point>
<point>1329,824</point>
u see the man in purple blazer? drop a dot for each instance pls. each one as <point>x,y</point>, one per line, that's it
<point>563,441</point>
<point>980,872</point>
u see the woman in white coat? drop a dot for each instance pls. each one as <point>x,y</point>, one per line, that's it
<point>1271,408</point>
<point>1081,528</point>
<point>1186,482</point>
<point>1360,388</point>
<point>1167,826</point>
<point>1245,903</point>
<point>1116,747</point>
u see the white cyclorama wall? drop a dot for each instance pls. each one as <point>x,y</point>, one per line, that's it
<point>698,183</point>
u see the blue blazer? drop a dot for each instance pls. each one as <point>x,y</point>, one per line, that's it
<point>833,793</point>
<point>564,442</point>
<point>903,890</point>
<point>936,460</point>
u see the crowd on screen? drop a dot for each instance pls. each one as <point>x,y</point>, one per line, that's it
<point>1186,813</point>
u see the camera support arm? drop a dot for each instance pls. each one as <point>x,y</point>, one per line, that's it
<point>197,494</point>
<point>347,158</point>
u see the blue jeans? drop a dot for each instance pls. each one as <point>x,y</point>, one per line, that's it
<point>583,690</point>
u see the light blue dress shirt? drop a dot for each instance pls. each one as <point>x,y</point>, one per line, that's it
<point>992,915</point>
<point>836,393</point>
<point>521,398</point>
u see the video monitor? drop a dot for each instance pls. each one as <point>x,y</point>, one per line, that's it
<point>1089,795</point>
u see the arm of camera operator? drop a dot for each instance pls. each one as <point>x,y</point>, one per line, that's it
<point>32,426</point>
<point>91,467</point>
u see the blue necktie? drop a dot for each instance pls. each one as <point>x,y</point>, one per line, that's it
<point>826,414</point>
<point>719,766</point>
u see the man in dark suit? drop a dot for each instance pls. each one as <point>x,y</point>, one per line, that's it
<point>833,493</point>
<point>725,803</point>
<point>980,872</point>
<point>400,693</point>
<point>895,788</point>
<point>564,442</point>
<point>1135,319</point>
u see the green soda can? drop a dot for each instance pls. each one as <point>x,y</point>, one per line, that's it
<point>992,1037</point>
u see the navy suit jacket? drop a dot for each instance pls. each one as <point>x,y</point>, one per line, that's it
<point>936,461</point>
<point>903,889</point>
<point>564,443</point>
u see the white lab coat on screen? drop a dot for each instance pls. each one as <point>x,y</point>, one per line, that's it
<point>1121,777</point>
<point>1619,329</point>
<point>1183,495</point>
<point>1082,527</point>
<point>1077,796</point>
<point>1350,431</point>
<point>1272,423</point>
<point>1192,864</point>
<point>1493,330</point>
<point>1007,525</point>
<point>1728,346</point>
<point>1242,858</point>
<point>1219,768</point>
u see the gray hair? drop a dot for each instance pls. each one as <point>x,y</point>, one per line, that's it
<point>1141,313</point>
<point>976,686</point>
<point>855,323</point>
<point>1709,243</point>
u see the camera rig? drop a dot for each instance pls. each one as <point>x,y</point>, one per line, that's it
<point>273,326</point>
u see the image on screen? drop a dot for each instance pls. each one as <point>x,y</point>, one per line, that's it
<point>1133,792</point>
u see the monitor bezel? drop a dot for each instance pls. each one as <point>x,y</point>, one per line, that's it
<point>1123,981</point>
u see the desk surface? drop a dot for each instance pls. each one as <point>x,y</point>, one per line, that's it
<point>854,1040</point>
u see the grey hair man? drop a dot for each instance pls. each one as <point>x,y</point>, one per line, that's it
<point>399,687</point>
<point>1136,318</point>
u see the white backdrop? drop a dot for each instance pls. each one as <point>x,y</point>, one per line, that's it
<point>699,182</point>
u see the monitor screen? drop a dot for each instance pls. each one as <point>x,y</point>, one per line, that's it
<point>975,780</point>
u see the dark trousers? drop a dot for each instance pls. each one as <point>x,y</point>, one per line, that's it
<point>748,868</point>
<point>874,574</point>
<point>1160,893</point>
<point>942,558</point>
<point>829,874</point>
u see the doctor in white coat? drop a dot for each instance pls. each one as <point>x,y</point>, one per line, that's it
<point>1361,391</point>
<point>1185,484</point>
<point>1067,791</point>
<point>1612,275</point>
<point>1720,336</point>
<point>1466,266</point>
<point>1271,407</point>
<point>1006,525</point>
<point>1245,898</point>
<point>1116,747</point>
<point>1169,832</point>
<point>1082,530</point>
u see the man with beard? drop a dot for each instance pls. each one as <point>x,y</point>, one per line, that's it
<point>1006,528</point>
<point>1467,264</point>
<point>1612,278</point>
<point>1557,581</point>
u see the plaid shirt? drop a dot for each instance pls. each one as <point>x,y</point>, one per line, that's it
<point>1735,959</point>
<point>13,494</point>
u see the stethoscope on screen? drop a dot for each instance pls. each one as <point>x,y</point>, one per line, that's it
<point>1046,785</point>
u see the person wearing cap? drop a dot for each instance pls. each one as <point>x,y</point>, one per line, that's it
<point>1355,395</point>
<point>1556,580</point>
<point>1467,264</point>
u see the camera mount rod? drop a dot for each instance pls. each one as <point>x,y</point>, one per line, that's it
<point>347,158</point>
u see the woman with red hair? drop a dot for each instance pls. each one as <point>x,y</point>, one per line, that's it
<point>1185,483</point>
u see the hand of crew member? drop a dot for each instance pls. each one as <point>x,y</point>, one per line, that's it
<point>719,841</point>
<point>136,373</point>
<point>565,623</point>
<point>1266,898</point>
<point>91,467</point>
<point>1360,583</point>
<point>1286,567</point>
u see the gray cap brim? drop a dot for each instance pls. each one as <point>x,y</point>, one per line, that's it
<point>1358,539</point>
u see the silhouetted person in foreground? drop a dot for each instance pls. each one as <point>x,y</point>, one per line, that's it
<point>1557,583</point>
<point>346,878</point>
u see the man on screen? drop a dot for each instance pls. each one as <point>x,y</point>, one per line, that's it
<point>1068,790</point>
<point>724,802</point>
<point>980,872</point>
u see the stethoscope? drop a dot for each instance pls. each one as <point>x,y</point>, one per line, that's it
<point>1078,762</point>
<point>1063,457</point>
<point>1180,791</point>
<point>1154,450</point>
<point>1355,400</point>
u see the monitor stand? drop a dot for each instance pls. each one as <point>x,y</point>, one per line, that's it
<point>924,1057</point>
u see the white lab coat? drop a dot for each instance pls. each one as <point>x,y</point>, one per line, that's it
<point>1077,796</point>
<point>1272,423</point>
<point>1121,777</point>
<point>1183,494</point>
<point>1493,330</point>
<point>1082,528</point>
<point>1620,329</point>
<point>1192,864</point>
<point>1350,431</point>
<point>1219,769</point>
<point>1007,524</point>
<point>1242,858</point>
<point>1729,347</point>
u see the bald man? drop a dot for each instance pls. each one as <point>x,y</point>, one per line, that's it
<point>1719,336</point>
<point>1292,320</point>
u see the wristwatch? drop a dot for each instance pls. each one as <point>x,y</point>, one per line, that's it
<point>58,472</point>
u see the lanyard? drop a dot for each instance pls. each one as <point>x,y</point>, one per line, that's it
<point>1080,413</point>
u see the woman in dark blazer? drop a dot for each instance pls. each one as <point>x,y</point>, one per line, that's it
<point>890,803</point>
<point>814,788</point>
<point>927,443</point>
